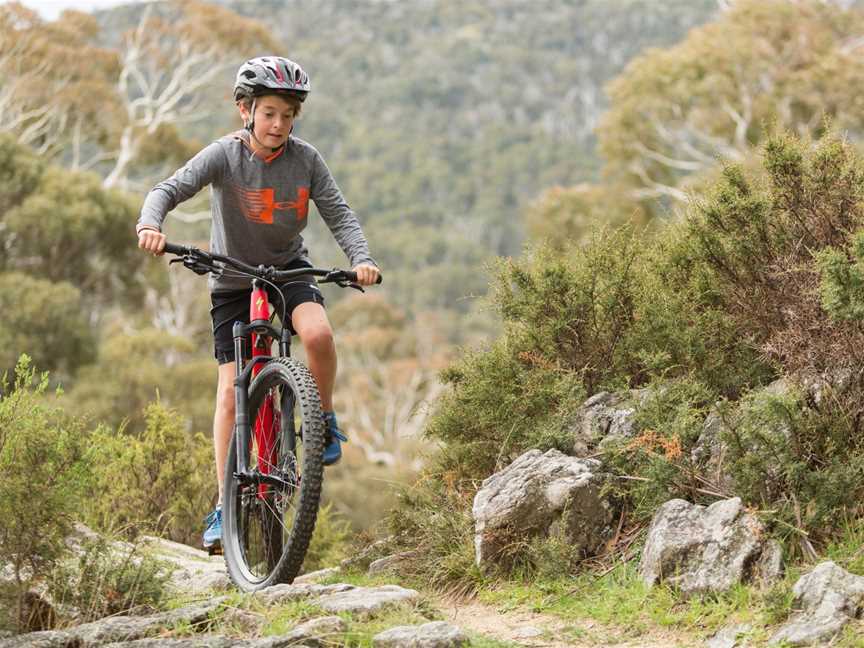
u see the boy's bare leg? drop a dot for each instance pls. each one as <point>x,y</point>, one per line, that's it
<point>310,321</point>
<point>223,419</point>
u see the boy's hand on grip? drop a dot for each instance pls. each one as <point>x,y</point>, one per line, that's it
<point>367,274</point>
<point>152,241</point>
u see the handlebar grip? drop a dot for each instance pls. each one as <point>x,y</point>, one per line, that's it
<point>350,275</point>
<point>172,248</point>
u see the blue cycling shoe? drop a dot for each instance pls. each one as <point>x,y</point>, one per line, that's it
<point>212,539</point>
<point>334,440</point>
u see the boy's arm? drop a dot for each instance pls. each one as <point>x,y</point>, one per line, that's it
<point>203,169</point>
<point>339,217</point>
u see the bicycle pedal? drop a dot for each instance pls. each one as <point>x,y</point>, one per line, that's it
<point>214,551</point>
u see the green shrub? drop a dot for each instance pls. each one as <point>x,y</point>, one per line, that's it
<point>751,244</point>
<point>44,475</point>
<point>108,577</point>
<point>803,464</point>
<point>433,522</point>
<point>657,465</point>
<point>842,280</point>
<point>161,481</point>
<point>502,401</point>
<point>65,339</point>
<point>329,542</point>
<point>574,311</point>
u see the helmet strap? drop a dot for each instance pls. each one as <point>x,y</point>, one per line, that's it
<point>250,123</point>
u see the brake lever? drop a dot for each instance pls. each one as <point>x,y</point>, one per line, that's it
<point>349,284</point>
<point>195,265</point>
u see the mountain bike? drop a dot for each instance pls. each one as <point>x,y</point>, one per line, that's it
<point>274,470</point>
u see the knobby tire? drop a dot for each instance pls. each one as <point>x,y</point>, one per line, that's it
<point>284,534</point>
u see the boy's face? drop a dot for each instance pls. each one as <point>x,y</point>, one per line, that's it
<point>274,118</point>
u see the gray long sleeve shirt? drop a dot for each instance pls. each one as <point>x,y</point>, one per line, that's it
<point>259,206</point>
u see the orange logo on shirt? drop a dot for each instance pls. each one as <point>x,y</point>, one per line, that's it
<point>258,205</point>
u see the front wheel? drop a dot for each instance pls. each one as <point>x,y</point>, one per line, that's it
<point>267,527</point>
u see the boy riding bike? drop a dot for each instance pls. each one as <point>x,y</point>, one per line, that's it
<point>261,180</point>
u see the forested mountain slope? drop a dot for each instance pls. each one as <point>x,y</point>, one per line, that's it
<point>442,121</point>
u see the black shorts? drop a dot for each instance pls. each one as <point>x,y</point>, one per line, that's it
<point>233,306</point>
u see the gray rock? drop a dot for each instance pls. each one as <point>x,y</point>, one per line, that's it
<point>282,593</point>
<point>537,493</point>
<point>528,632</point>
<point>126,628</point>
<point>118,628</point>
<point>710,451</point>
<point>437,634</point>
<point>817,388</point>
<point>728,637</point>
<point>205,641</point>
<point>605,418</point>
<point>316,633</point>
<point>827,598</point>
<point>769,567</point>
<point>241,620</point>
<point>317,576</point>
<point>44,639</point>
<point>701,550</point>
<point>365,602</point>
<point>389,563</point>
<point>193,571</point>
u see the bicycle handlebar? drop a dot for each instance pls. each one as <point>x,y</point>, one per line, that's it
<point>204,261</point>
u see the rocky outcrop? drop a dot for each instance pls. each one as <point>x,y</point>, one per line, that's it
<point>146,631</point>
<point>437,634</point>
<point>539,494</point>
<point>365,602</point>
<point>826,599</point>
<point>605,418</point>
<point>119,628</point>
<point>284,593</point>
<point>315,633</point>
<point>701,550</point>
<point>728,637</point>
<point>192,570</point>
<point>389,564</point>
<point>709,452</point>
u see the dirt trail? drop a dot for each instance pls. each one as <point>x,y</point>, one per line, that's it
<point>533,630</point>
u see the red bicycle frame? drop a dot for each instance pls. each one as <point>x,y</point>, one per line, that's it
<point>269,414</point>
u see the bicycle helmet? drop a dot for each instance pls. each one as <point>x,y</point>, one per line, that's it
<point>271,75</point>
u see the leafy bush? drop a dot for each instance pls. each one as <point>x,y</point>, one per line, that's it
<point>803,463</point>
<point>660,457</point>
<point>502,402</point>
<point>752,243</point>
<point>433,522</point>
<point>162,480</point>
<point>714,308</point>
<point>44,476</point>
<point>65,338</point>
<point>329,542</point>
<point>108,577</point>
<point>140,363</point>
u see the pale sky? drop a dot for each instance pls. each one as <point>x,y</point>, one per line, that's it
<point>50,9</point>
